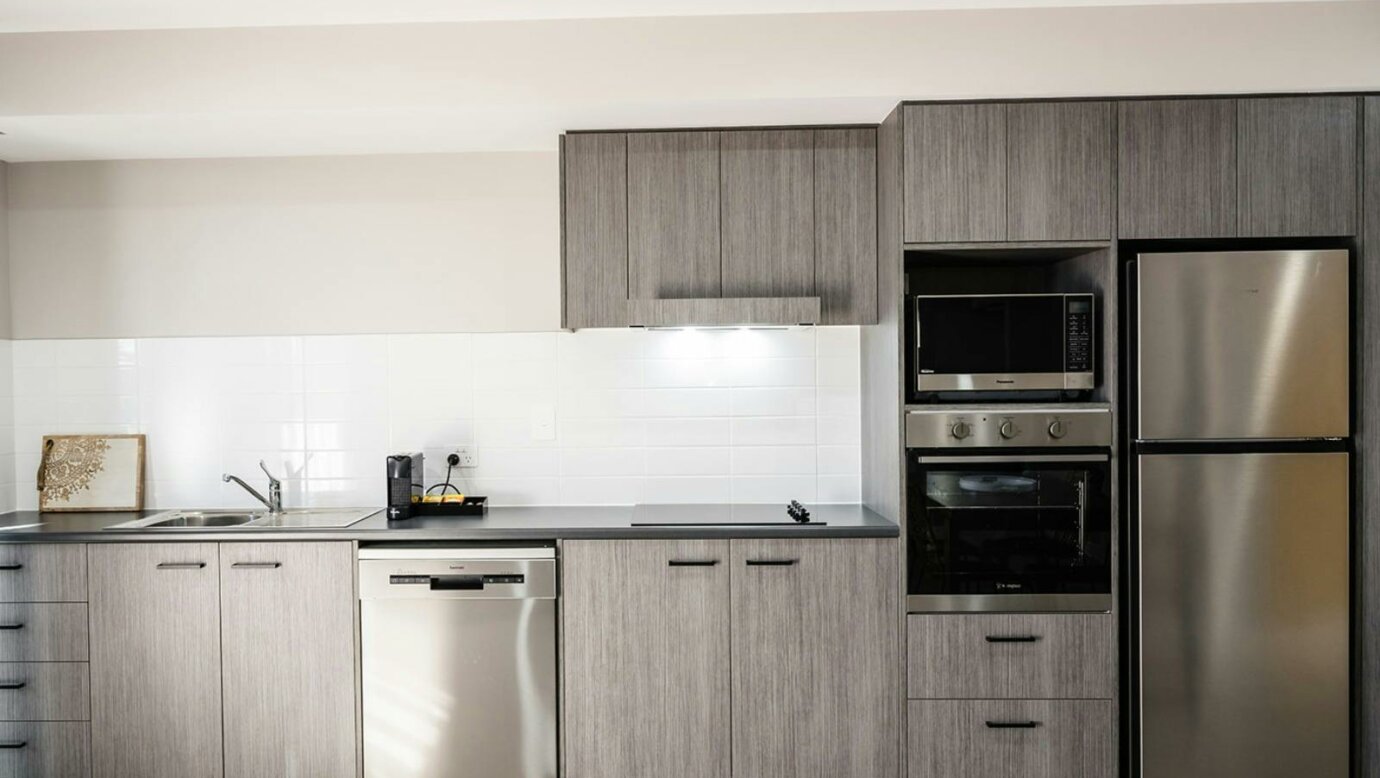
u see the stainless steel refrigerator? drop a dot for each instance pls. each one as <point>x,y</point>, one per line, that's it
<point>1242,507</point>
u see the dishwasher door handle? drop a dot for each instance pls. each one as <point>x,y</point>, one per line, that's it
<point>447,583</point>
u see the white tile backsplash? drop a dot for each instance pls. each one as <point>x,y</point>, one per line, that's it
<point>590,417</point>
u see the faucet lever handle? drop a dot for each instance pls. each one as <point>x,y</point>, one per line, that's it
<point>264,467</point>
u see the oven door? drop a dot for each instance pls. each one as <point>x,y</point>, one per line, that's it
<point>1024,533</point>
<point>989,343</point>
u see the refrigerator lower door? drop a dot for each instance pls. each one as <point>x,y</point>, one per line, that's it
<point>1243,345</point>
<point>1244,639</point>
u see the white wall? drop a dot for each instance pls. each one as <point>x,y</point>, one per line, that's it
<point>743,415</point>
<point>6,317</point>
<point>371,244</point>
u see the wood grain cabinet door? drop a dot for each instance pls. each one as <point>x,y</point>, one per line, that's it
<point>768,213</point>
<point>155,660</point>
<point>1177,169</point>
<point>1011,739</point>
<point>1297,171</point>
<point>287,646</point>
<point>954,172</point>
<point>673,215</point>
<point>645,658</point>
<point>594,229</point>
<point>1059,171</point>
<point>846,225</point>
<point>816,669</point>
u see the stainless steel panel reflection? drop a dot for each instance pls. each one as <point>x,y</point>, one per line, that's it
<point>1008,603</point>
<point>1243,345</point>
<point>1030,426</point>
<point>1244,647</point>
<point>985,382</point>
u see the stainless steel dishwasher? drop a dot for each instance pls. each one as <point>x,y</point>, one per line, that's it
<point>459,662</point>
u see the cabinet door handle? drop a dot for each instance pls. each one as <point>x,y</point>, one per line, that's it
<point>1012,638</point>
<point>14,744</point>
<point>1012,724</point>
<point>14,566</point>
<point>258,565</point>
<point>692,562</point>
<point>771,562</point>
<point>12,685</point>
<point>181,565</point>
<point>18,625</point>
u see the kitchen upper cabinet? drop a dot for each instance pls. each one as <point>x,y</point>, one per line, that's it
<point>1177,169</point>
<point>1297,166</point>
<point>954,160</point>
<point>287,648</point>
<point>845,206</point>
<point>983,172</point>
<point>815,658</point>
<point>595,229</point>
<point>768,213</point>
<point>1059,171</point>
<point>155,660</point>
<point>673,215</point>
<point>646,658</point>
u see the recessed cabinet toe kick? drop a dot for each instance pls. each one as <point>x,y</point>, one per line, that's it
<point>459,662</point>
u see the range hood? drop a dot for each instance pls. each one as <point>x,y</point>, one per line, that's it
<point>724,312</point>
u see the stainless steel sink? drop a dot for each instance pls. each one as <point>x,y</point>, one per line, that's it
<point>297,518</point>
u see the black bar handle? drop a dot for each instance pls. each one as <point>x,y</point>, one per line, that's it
<point>1012,638</point>
<point>692,562</point>
<point>19,625</point>
<point>12,685</point>
<point>181,565</point>
<point>1012,724</point>
<point>257,565</point>
<point>442,583</point>
<point>14,744</point>
<point>771,562</point>
<point>14,566</point>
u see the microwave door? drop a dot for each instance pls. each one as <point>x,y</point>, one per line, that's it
<point>1242,345</point>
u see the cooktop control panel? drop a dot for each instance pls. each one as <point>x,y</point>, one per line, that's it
<point>1026,426</point>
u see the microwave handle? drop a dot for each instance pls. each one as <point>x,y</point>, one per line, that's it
<point>1037,458</point>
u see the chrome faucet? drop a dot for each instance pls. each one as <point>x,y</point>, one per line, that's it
<point>274,501</point>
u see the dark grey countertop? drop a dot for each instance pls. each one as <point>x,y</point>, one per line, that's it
<point>517,523</point>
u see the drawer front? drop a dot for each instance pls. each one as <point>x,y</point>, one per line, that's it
<point>1011,656</point>
<point>43,632</point>
<point>46,749</point>
<point>48,572</point>
<point>1011,738</point>
<point>45,691</point>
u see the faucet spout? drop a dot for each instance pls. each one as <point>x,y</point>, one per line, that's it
<point>274,505</point>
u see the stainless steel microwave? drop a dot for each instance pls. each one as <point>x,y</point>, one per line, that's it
<point>1004,342</point>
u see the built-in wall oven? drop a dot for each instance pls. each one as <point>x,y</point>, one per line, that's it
<point>1010,509</point>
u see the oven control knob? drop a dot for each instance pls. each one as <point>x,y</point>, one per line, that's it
<point>960,430</point>
<point>1058,429</point>
<point>1008,430</point>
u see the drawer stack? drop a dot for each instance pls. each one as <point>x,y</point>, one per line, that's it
<point>1009,695</point>
<point>45,680</point>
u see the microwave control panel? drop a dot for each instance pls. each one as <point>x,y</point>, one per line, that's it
<point>1078,333</point>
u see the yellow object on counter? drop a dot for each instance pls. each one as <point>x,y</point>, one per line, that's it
<point>435,499</point>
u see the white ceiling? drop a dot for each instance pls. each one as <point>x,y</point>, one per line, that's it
<point>515,85</point>
<point>56,15</point>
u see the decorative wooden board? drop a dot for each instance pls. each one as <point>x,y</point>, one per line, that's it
<point>88,473</point>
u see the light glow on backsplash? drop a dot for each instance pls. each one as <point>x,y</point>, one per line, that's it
<point>591,417</point>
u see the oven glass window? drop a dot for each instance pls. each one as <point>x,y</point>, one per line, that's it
<point>980,335</point>
<point>1010,529</point>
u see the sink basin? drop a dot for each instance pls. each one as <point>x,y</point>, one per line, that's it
<point>293,518</point>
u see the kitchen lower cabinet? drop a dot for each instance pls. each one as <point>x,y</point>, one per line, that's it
<point>45,749</point>
<point>815,658</point>
<point>287,658</point>
<point>783,654</point>
<point>155,660</point>
<point>1011,739</point>
<point>645,658</point>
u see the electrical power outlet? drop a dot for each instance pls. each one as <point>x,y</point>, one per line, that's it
<point>469,457</point>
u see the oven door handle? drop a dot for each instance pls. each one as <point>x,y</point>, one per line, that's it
<point>1037,458</point>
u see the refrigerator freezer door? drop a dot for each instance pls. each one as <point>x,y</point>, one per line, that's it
<point>1244,615</point>
<point>1243,345</point>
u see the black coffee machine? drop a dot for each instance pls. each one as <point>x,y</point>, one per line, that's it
<point>405,474</point>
